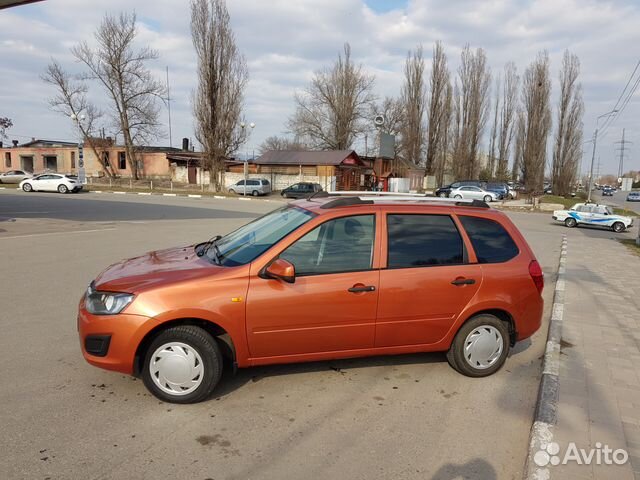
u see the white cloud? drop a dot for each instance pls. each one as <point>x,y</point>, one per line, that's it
<point>285,41</point>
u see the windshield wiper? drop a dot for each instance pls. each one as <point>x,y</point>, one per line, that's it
<point>207,245</point>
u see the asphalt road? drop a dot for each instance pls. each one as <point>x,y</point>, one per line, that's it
<point>399,417</point>
<point>619,198</point>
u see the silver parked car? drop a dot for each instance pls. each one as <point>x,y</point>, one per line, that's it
<point>14,176</point>
<point>473,193</point>
<point>255,187</point>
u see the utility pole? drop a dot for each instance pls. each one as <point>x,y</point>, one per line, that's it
<point>169,107</point>
<point>593,155</point>
<point>622,149</point>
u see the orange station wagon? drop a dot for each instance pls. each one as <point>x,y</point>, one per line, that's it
<point>332,276</point>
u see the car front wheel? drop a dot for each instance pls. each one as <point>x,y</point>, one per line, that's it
<point>458,197</point>
<point>487,198</point>
<point>27,187</point>
<point>182,365</point>
<point>480,347</point>
<point>570,222</point>
<point>255,193</point>
<point>618,227</point>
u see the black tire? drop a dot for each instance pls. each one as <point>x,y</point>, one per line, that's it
<point>442,195</point>
<point>458,197</point>
<point>63,189</point>
<point>570,222</point>
<point>200,341</point>
<point>255,193</point>
<point>231,190</point>
<point>27,187</point>
<point>618,227</point>
<point>456,355</point>
<point>487,199</point>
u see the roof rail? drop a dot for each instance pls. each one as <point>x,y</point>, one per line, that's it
<point>373,197</point>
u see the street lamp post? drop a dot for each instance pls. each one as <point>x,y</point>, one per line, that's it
<point>81,171</point>
<point>246,160</point>
<point>593,155</point>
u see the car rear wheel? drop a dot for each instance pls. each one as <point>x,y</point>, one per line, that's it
<point>182,365</point>
<point>27,187</point>
<point>480,347</point>
<point>618,227</point>
<point>570,222</point>
<point>442,195</point>
<point>457,196</point>
<point>62,189</point>
<point>487,198</point>
<point>255,193</point>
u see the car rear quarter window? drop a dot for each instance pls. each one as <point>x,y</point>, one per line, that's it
<point>491,242</point>
<point>423,240</point>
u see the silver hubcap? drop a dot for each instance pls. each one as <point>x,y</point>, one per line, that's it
<point>176,368</point>
<point>483,347</point>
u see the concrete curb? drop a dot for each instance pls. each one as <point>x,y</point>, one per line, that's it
<point>546,414</point>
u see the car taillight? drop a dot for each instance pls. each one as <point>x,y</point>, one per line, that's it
<point>536,275</point>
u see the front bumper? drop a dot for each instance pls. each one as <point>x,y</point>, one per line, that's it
<point>111,341</point>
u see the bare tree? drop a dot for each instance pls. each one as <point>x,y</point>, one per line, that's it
<point>439,113</point>
<point>413,97</point>
<point>122,71</point>
<point>472,102</point>
<point>5,124</point>
<point>491,160</point>
<point>536,92</point>
<point>276,142</point>
<point>568,139</point>
<point>331,112</point>
<point>507,118</point>
<point>71,100</point>
<point>518,154</point>
<point>222,78</point>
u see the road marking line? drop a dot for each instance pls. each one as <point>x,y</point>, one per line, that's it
<point>219,196</point>
<point>246,199</point>
<point>194,196</point>
<point>96,191</point>
<point>57,233</point>
<point>121,193</point>
<point>144,193</point>
<point>169,195</point>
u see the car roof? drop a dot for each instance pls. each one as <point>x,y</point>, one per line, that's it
<point>328,203</point>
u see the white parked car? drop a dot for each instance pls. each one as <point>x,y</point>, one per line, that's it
<point>593,214</point>
<point>51,182</point>
<point>473,193</point>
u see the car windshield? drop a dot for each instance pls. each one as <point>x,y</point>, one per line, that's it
<point>248,242</point>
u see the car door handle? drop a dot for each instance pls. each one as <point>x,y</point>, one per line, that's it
<point>367,288</point>
<point>463,281</point>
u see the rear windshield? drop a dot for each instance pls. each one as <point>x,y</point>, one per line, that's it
<point>491,242</point>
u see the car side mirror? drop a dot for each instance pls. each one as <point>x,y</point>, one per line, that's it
<point>280,269</point>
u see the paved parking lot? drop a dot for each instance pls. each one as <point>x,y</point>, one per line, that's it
<point>387,417</point>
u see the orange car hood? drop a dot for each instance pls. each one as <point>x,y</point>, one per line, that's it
<point>153,269</point>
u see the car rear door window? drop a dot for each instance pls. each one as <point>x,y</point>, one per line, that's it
<point>423,240</point>
<point>340,245</point>
<point>491,242</point>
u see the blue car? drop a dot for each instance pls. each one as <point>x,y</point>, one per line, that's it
<point>501,189</point>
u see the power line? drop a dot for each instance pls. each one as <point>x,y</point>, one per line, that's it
<point>611,119</point>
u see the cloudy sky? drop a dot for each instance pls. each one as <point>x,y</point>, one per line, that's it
<point>285,41</point>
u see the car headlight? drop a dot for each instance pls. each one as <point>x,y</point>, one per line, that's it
<point>106,303</point>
